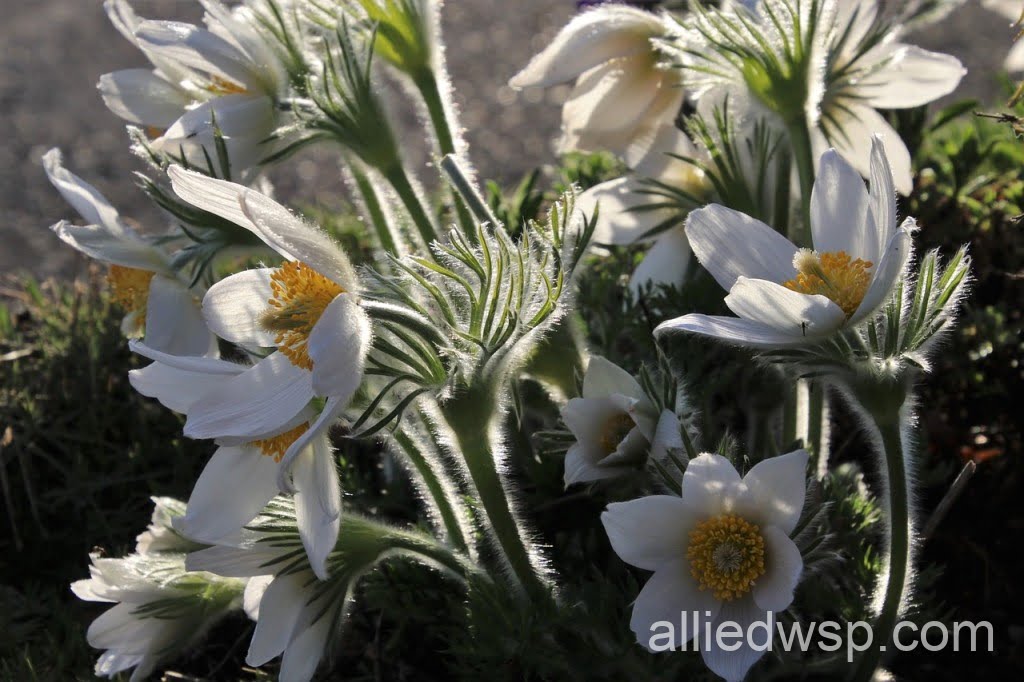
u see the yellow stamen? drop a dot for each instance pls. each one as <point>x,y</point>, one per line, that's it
<point>278,445</point>
<point>222,86</point>
<point>834,275</point>
<point>300,295</point>
<point>130,288</point>
<point>614,431</point>
<point>152,132</point>
<point>726,555</point>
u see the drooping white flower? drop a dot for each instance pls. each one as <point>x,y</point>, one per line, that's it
<point>160,536</point>
<point>621,91</point>
<point>631,208</point>
<point>225,73</point>
<point>843,64</point>
<point>159,610</point>
<point>720,553</point>
<point>785,296</point>
<point>614,424</point>
<point>158,306</point>
<point>1012,10</point>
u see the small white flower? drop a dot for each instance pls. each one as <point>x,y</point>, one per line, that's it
<point>614,423</point>
<point>160,535</point>
<point>1012,10</point>
<point>720,552</point>
<point>158,306</point>
<point>621,88</point>
<point>160,610</point>
<point>785,296</point>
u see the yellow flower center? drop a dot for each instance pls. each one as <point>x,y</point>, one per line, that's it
<point>222,86</point>
<point>834,275</point>
<point>130,288</point>
<point>278,445</point>
<point>614,431</point>
<point>299,297</point>
<point>726,555</point>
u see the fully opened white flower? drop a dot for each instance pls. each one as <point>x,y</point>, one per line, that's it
<point>621,90</point>
<point>226,72</point>
<point>720,553</point>
<point>1012,10</point>
<point>786,296</point>
<point>158,306</point>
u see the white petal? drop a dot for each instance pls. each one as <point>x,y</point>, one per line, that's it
<point>338,346</point>
<point>176,389</point>
<point>254,590</point>
<point>202,365</point>
<point>730,244</point>
<point>247,560</point>
<point>733,665</point>
<point>259,401</point>
<point>620,219</point>
<point>840,216</point>
<point>317,503</point>
<point>245,123</point>
<point>789,312</point>
<point>649,532</point>
<point>1014,62</point>
<point>654,151</point>
<point>667,435</point>
<point>333,408</point>
<point>773,591</point>
<point>856,125</point>
<point>711,485</point>
<point>910,77</point>
<point>672,596</point>
<point>280,610</point>
<point>581,466</point>
<point>233,489</point>
<point>613,96</point>
<point>732,330</point>
<point>666,262</point>
<point>591,38</point>
<point>174,321</point>
<point>83,197</point>
<point>114,247</point>
<point>234,307</point>
<point>142,97</point>
<point>883,202</point>
<point>604,378</point>
<point>887,272</point>
<point>197,49</point>
<point>775,489</point>
<point>303,654</point>
<point>586,419</point>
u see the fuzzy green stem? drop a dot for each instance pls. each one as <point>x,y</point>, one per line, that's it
<point>399,180</point>
<point>376,214</point>
<point>473,417</point>
<point>800,141</point>
<point>817,424</point>
<point>432,481</point>
<point>895,474</point>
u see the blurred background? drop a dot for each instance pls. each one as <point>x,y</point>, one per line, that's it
<point>53,52</point>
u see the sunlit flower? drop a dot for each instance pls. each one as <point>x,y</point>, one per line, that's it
<point>226,73</point>
<point>1012,10</point>
<point>720,553</point>
<point>160,536</point>
<point>786,296</point>
<point>160,611</point>
<point>622,90</point>
<point>157,305</point>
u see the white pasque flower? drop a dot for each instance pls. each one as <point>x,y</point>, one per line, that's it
<point>227,72</point>
<point>160,536</point>
<point>621,90</point>
<point>630,208</point>
<point>1012,10</point>
<point>786,296</point>
<point>615,424</point>
<point>720,553</point>
<point>160,610</point>
<point>157,305</point>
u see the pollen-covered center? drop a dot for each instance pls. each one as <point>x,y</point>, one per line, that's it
<point>833,274</point>
<point>726,555</point>
<point>299,296</point>
<point>130,288</point>
<point>278,445</point>
<point>615,431</point>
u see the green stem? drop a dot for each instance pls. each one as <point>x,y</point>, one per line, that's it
<point>398,178</point>
<point>800,140</point>
<point>373,208</point>
<point>894,466</point>
<point>817,424</point>
<point>443,122</point>
<point>473,416</point>
<point>434,485</point>
<point>790,414</point>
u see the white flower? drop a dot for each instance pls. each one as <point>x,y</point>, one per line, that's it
<point>614,423</point>
<point>785,296</point>
<point>160,610</point>
<point>621,88</point>
<point>160,535</point>
<point>719,553</point>
<point>1012,10</point>
<point>157,305</point>
<point>630,208</point>
<point>226,72</point>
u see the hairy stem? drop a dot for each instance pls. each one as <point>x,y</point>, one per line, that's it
<point>399,180</point>
<point>436,489</point>
<point>800,139</point>
<point>376,213</point>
